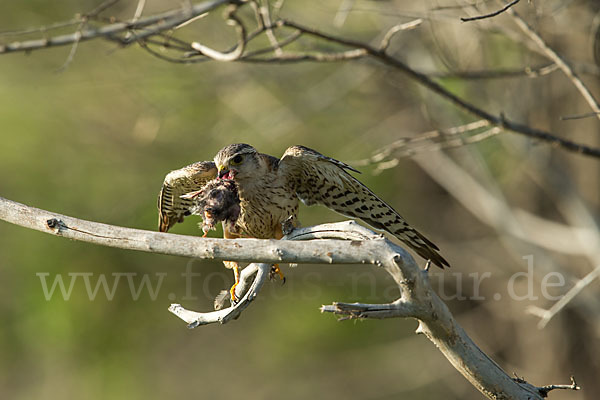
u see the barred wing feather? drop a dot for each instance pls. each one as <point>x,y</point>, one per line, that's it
<point>171,207</point>
<point>318,179</point>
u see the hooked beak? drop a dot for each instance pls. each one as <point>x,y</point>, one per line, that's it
<point>225,173</point>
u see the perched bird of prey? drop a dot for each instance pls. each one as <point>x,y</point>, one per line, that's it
<point>269,189</point>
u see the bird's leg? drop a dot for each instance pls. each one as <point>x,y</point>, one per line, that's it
<point>227,234</point>
<point>236,274</point>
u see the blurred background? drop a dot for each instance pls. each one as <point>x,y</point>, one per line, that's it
<point>93,139</point>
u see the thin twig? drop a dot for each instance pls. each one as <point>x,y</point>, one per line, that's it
<point>413,148</point>
<point>282,43</point>
<point>490,15</point>
<point>136,15</point>
<point>42,29</point>
<point>189,21</point>
<point>385,42</point>
<point>440,136</point>
<point>377,311</point>
<point>170,59</point>
<point>169,43</point>
<point>295,57</point>
<point>546,315</point>
<point>529,72</point>
<point>139,10</point>
<point>234,54</point>
<point>545,389</point>
<point>556,58</point>
<point>73,50</point>
<point>85,18</point>
<point>578,116</point>
<point>265,16</point>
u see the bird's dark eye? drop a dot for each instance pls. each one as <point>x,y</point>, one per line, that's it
<point>236,160</point>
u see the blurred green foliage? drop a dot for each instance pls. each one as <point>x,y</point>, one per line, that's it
<point>94,141</point>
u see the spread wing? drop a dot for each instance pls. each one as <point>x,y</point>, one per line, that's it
<point>171,207</point>
<point>318,179</point>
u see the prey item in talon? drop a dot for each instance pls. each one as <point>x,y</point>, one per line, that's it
<point>217,201</point>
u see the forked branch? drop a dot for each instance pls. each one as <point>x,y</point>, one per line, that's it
<point>361,246</point>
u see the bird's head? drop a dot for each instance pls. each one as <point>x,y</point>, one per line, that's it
<point>237,162</point>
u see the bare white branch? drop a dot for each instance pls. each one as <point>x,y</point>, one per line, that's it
<point>151,26</point>
<point>418,300</point>
<point>348,230</point>
<point>225,315</point>
<point>265,15</point>
<point>385,42</point>
<point>234,54</point>
<point>397,309</point>
<point>139,10</point>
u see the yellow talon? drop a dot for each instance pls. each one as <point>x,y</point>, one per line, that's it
<point>236,274</point>
<point>234,298</point>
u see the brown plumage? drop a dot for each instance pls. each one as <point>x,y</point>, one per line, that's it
<point>172,208</point>
<point>269,190</point>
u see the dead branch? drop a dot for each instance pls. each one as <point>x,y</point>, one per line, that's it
<point>195,319</point>
<point>152,25</point>
<point>418,300</point>
<point>544,390</point>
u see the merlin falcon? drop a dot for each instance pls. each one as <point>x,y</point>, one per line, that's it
<point>269,189</point>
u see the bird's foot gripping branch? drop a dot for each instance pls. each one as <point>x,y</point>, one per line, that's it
<point>418,300</point>
<point>342,243</point>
